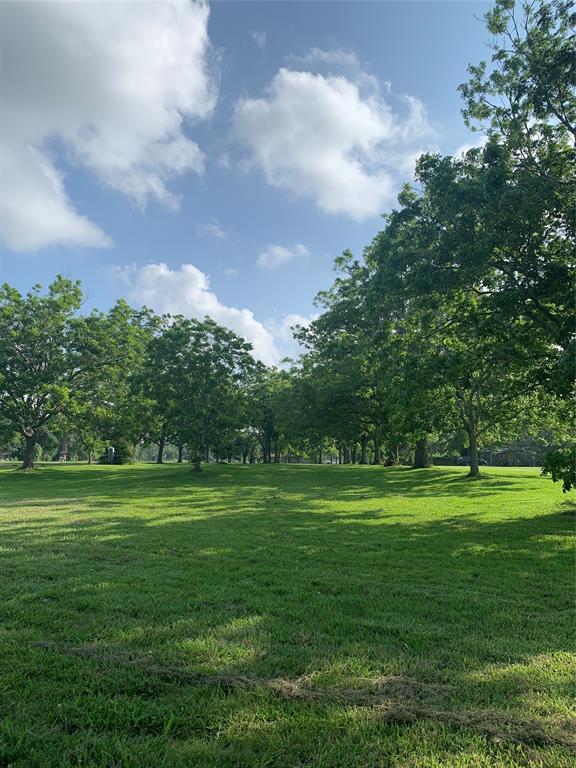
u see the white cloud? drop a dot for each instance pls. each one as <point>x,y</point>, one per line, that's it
<point>416,124</point>
<point>480,142</point>
<point>319,56</point>
<point>282,331</point>
<point>260,38</point>
<point>405,164</point>
<point>327,138</point>
<point>213,228</point>
<point>186,291</point>
<point>112,85</point>
<point>35,210</point>
<point>231,271</point>
<point>272,256</point>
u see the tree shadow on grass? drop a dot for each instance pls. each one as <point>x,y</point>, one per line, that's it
<point>262,582</point>
<point>341,483</point>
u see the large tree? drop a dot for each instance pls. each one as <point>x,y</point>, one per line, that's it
<point>524,100</point>
<point>46,358</point>
<point>115,408</point>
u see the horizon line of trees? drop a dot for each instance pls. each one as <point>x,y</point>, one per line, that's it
<point>457,327</point>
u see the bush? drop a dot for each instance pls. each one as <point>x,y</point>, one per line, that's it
<point>561,465</point>
<point>124,452</point>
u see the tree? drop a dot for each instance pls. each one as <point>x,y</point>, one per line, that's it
<point>267,387</point>
<point>527,95</point>
<point>113,409</point>
<point>157,379</point>
<point>526,103</point>
<point>346,359</point>
<point>561,466</point>
<point>46,358</point>
<point>202,372</point>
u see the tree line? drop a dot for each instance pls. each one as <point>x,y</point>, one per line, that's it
<point>456,327</point>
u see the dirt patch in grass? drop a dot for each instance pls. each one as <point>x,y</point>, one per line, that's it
<point>394,699</point>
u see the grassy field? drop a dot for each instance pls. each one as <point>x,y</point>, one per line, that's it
<point>285,616</point>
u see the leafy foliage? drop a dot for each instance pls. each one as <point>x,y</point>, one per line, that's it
<point>561,466</point>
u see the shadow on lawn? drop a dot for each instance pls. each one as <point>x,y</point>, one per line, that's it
<point>265,583</point>
<point>346,483</point>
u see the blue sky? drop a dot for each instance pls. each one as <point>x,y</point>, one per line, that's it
<point>252,142</point>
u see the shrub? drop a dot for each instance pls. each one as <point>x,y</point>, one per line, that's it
<point>124,452</point>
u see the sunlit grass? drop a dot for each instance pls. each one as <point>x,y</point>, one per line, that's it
<point>285,616</point>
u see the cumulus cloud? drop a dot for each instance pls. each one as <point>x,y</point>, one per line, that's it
<point>34,208</point>
<point>110,85</point>
<point>272,256</point>
<point>327,138</point>
<point>186,291</point>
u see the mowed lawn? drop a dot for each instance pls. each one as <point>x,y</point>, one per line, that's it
<point>285,616</point>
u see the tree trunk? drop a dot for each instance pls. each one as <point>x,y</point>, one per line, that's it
<point>422,454</point>
<point>345,455</point>
<point>267,448</point>
<point>89,457</point>
<point>29,452</point>
<point>196,464</point>
<point>161,444</point>
<point>377,458</point>
<point>474,458</point>
<point>180,453</point>
<point>393,459</point>
<point>363,442</point>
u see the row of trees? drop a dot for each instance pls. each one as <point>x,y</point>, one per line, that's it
<point>117,378</point>
<point>461,316</point>
<point>456,326</point>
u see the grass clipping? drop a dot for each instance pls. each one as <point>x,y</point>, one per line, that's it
<point>393,699</point>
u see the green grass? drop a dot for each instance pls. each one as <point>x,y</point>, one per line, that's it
<point>285,616</point>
